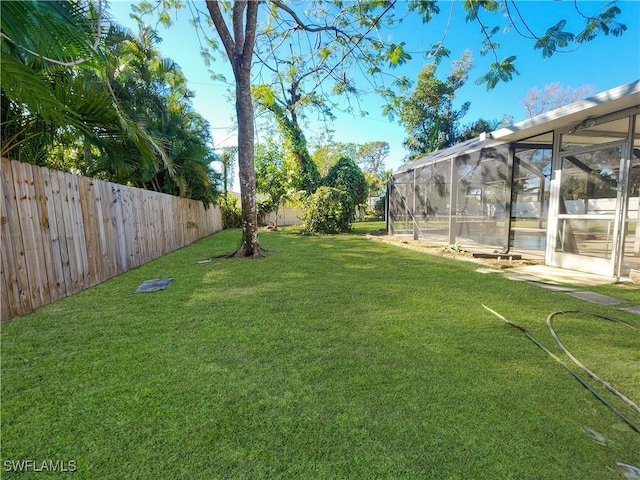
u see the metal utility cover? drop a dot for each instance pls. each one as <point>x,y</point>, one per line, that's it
<point>154,284</point>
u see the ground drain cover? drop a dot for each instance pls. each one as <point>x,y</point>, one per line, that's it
<point>154,284</point>
<point>596,298</point>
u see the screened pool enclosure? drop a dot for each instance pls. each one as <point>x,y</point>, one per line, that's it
<point>564,186</point>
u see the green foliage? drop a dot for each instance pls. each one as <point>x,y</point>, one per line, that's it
<point>375,184</point>
<point>428,114</point>
<point>380,206</point>
<point>54,84</point>
<point>396,55</point>
<point>371,156</point>
<point>453,248</point>
<point>265,206</point>
<point>154,88</point>
<point>329,152</point>
<point>347,176</point>
<point>76,83</point>
<point>231,212</point>
<point>227,162</point>
<point>333,207</point>
<point>500,72</point>
<point>328,210</point>
<point>473,7</point>
<point>58,30</point>
<point>554,39</point>
<point>426,8</point>
<point>295,142</point>
<point>273,176</point>
<point>604,23</point>
<point>474,129</point>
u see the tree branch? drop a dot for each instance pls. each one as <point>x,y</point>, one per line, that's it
<point>304,26</point>
<point>356,45</point>
<point>533,35</point>
<point>222,29</point>
<point>238,9</point>
<point>487,37</point>
<point>250,32</point>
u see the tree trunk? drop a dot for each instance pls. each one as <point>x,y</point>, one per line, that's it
<point>225,173</point>
<point>87,153</point>
<point>246,168</point>
<point>239,48</point>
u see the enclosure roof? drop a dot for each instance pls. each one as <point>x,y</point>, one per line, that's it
<point>572,115</point>
<point>464,148</point>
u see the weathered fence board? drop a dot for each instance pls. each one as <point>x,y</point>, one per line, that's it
<point>55,204</point>
<point>62,233</point>
<point>13,261</point>
<point>41,188</point>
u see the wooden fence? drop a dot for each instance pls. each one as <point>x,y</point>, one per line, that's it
<point>62,233</point>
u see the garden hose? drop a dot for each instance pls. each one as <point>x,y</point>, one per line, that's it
<point>582,381</point>
<point>595,377</point>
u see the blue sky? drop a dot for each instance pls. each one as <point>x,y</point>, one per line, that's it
<point>603,63</point>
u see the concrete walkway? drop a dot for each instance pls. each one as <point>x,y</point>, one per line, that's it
<point>545,273</point>
<point>563,280</point>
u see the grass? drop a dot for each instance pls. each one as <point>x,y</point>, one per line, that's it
<point>333,357</point>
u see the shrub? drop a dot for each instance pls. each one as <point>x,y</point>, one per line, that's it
<point>328,210</point>
<point>346,175</point>
<point>332,208</point>
<point>231,212</point>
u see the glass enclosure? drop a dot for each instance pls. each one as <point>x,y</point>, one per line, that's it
<point>433,201</point>
<point>475,182</point>
<point>588,202</point>
<point>596,171</point>
<point>631,249</point>
<point>531,180</point>
<point>571,193</point>
<point>400,200</point>
<point>482,189</point>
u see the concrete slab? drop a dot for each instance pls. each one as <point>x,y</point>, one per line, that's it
<point>552,287</point>
<point>596,298</point>
<point>488,270</point>
<point>546,273</point>
<point>522,278</point>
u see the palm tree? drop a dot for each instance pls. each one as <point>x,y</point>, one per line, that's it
<point>155,89</point>
<point>78,87</point>
<point>54,85</point>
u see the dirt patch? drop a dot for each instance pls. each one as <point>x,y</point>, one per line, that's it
<point>449,252</point>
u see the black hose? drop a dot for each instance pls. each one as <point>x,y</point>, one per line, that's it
<point>566,367</point>
<point>595,377</point>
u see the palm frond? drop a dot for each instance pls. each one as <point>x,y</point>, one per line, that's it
<point>52,30</point>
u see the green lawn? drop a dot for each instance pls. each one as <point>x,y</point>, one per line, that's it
<point>334,357</point>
